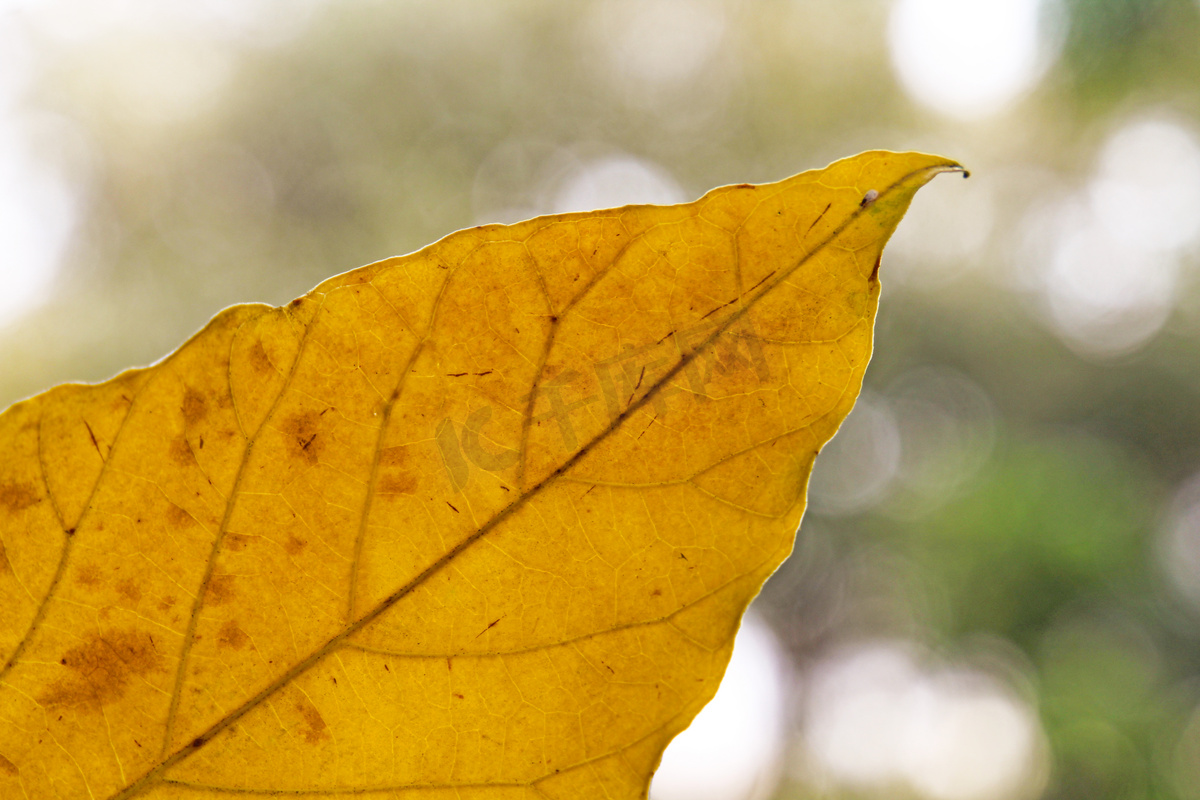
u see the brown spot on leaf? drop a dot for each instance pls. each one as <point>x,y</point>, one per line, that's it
<point>167,603</point>
<point>315,728</point>
<point>7,767</point>
<point>17,496</point>
<point>394,456</point>
<point>4,565</point>
<point>656,593</point>
<point>195,408</point>
<point>232,636</point>
<point>101,669</point>
<point>237,542</point>
<point>89,575</point>
<point>178,518</point>
<point>303,440</point>
<point>294,545</point>
<point>181,452</point>
<point>129,590</point>
<point>260,360</point>
<point>220,590</point>
<point>398,484</point>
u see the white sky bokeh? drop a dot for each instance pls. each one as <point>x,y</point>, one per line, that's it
<point>38,211</point>
<point>1109,260</point>
<point>1106,298</point>
<point>969,59</point>
<point>158,63</point>
<point>1146,190</point>
<point>523,179</point>
<point>613,181</point>
<point>38,207</point>
<point>878,718</point>
<point>734,748</point>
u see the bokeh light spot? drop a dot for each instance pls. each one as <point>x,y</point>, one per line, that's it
<point>1109,259</point>
<point>733,748</point>
<point>947,430</point>
<point>1106,298</point>
<point>526,178</point>
<point>967,59</point>
<point>877,717</point>
<point>969,740</point>
<point>1179,541</point>
<point>161,81</point>
<point>614,181</point>
<point>38,210</point>
<point>1146,192</point>
<point>857,467</point>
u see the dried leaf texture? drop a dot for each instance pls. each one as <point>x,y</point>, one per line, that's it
<point>476,522</point>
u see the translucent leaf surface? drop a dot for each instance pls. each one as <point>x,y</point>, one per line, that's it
<point>475,522</point>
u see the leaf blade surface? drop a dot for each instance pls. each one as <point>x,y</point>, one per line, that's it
<point>476,521</point>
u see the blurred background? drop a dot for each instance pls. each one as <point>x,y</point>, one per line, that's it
<point>996,591</point>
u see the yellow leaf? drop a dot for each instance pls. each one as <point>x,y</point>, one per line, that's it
<point>475,522</point>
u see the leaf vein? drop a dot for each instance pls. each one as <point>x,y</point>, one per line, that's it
<point>218,540</point>
<point>61,568</point>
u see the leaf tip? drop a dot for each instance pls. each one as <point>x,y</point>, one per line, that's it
<point>954,166</point>
<point>934,170</point>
